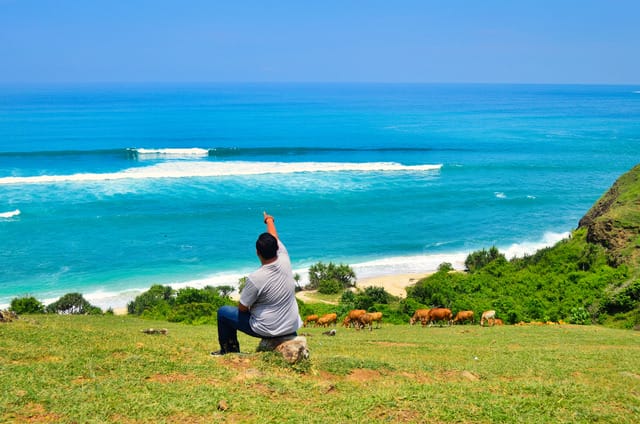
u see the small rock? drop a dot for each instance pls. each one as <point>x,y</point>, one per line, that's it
<point>163,331</point>
<point>223,405</point>
<point>294,350</point>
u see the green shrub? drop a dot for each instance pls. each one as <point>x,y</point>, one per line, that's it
<point>156,295</point>
<point>73,303</point>
<point>26,305</point>
<point>579,315</point>
<point>481,258</point>
<point>330,286</point>
<point>343,274</point>
<point>370,296</point>
<point>193,313</point>
<point>348,299</point>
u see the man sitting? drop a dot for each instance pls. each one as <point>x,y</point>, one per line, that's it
<point>268,307</point>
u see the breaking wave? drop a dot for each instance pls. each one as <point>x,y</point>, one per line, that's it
<point>221,169</point>
<point>10,214</point>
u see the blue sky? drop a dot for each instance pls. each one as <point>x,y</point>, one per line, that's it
<point>508,41</point>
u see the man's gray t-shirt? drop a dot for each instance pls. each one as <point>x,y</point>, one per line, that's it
<point>269,294</point>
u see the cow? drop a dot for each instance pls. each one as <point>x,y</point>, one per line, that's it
<point>353,317</point>
<point>488,316</point>
<point>311,318</point>
<point>440,314</point>
<point>327,319</point>
<point>421,315</point>
<point>498,321</point>
<point>463,316</point>
<point>369,318</point>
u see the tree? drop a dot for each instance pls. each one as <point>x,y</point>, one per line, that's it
<point>297,277</point>
<point>224,291</point>
<point>343,274</point>
<point>480,258</point>
<point>372,296</point>
<point>73,303</point>
<point>155,296</point>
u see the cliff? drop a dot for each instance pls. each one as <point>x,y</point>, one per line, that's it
<point>614,221</point>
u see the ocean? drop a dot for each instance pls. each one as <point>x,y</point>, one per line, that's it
<point>108,189</point>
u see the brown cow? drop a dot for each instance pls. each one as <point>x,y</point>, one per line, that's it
<point>488,316</point>
<point>311,318</point>
<point>353,317</point>
<point>327,319</point>
<point>440,314</point>
<point>369,318</point>
<point>463,316</point>
<point>421,315</point>
<point>498,321</point>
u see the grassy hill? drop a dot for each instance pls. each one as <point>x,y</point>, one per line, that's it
<point>592,277</point>
<point>102,369</point>
<point>614,221</point>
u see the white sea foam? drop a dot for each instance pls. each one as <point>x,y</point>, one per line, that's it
<point>10,214</point>
<point>188,153</point>
<point>530,247</point>
<point>221,169</point>
<point>500,195</point>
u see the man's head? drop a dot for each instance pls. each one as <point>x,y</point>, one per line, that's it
<point>267,246</point>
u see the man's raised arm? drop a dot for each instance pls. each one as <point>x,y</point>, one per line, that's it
<point>271,226</point>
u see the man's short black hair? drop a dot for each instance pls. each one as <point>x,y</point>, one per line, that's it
<point>267,246</point>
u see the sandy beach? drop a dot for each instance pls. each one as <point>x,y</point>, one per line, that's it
<point>393,284</point>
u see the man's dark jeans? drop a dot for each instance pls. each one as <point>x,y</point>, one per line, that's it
<point>230,320</point>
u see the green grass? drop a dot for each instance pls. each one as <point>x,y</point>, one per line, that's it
<point>96,369</point>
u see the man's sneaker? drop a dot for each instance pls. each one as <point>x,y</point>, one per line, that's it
<point>217,353</point>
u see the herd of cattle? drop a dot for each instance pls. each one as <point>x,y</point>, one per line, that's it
<point>444,315</point>
<point>359,318</point>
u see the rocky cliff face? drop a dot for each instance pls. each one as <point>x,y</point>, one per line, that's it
<point>614,221</point>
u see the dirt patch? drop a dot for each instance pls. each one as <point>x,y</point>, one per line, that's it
<point>51,358</point>
<point>388,344</point>
<point>456,376</point>
<point>421,378</point>
<point>630,374</point>
<point>34,413</point>
<point>192,419</point>
<point>361,375</point>
<point>384,414</point>
<point>307,296</point>
<point>171,378</point>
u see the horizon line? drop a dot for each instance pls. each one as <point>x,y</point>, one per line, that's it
<point>212,82</point>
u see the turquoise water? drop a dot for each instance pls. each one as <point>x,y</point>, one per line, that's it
<point>106,190</point>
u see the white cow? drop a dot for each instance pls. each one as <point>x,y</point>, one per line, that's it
<point>488,316</point>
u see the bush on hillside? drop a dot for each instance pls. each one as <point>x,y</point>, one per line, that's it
<point>320,272</point>
<point>26,305</point>
<point>481,258</point>
<point>330,286</point>
<point>193,313</point>
<point>188,304</point>
<point>157,297</point>
<point>371,296</point>
<point>74,304</point>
